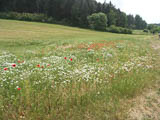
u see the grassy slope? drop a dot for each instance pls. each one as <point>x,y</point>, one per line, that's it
<point>20,36</point>
<point>118,67</point>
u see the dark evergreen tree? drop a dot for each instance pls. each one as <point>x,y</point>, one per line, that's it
<point>111,18</point>
<point>121,19</point>
<point>140,23</point>
<point>74,11</point>
<point>131,21</point>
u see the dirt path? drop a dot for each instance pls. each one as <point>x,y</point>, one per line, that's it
<point>147,106</point>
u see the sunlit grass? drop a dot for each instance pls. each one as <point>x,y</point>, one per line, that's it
<point>69,73</point>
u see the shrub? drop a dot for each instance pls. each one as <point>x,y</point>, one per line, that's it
<point>97,21</point>
<point>10,15</point>
<point>145,30</point>
<point>154,31</point>
<point>24,16</point>
<point>115,29</point>
<point>50,20</point>
<point>64,22</point>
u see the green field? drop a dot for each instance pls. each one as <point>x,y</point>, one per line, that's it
<point>68,73</point>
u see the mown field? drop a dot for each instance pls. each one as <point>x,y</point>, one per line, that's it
<point>53,72</point>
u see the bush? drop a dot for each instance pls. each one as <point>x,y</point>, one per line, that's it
<point>155,30</point>
<point>115,29</point>
<point>97,21</point>
<point>10,15</point>
<point>145,30</point>
<point>50,20</point>
<point>24,16</point>
<point>64,22</point>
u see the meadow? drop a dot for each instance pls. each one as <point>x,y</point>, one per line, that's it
<point>54,72</point>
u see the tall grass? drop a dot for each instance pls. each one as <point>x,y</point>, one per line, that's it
<point>86,80</point>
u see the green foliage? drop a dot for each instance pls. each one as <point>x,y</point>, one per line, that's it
<point>24,16</point>
<point>72,12</point>
<point>32,17</point>
<point>153,28</point>
<point>121,19</point>
<point>115,29</point>
<point>131,21</point>
<point>156,30</point>
<point>111,18</point>
<point>97,21</point>
<point>145,30</point>
<point>140,23</point>
<point>50,20</point>
<point>80,10</point>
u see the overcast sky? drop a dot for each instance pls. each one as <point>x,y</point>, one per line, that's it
<point>149,10</point>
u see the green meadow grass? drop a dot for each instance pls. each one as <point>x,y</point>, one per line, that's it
<point>100,72</point>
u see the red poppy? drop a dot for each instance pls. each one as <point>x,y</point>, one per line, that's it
<point>20,61</point>
<point>48,65</point>
<point>18,88</point>
<point>5,69</point>
<point>97,60</point>
<point>65,58</point>
<point>38,65</point>
<point>89,49</point>
<point>13,65</point>
<point>71,59</point>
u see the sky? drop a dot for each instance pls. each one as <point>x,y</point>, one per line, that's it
<point>149,10</point>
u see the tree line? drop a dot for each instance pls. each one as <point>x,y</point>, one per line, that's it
<point>154,28</point>
<point>74,12</point>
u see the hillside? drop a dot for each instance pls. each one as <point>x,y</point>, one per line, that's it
<point>55,72</point>
<point>31,35</point>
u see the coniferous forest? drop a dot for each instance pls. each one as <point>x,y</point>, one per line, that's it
<point>74,12</point>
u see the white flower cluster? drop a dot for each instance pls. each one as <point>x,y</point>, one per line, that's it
<point>56,70</point>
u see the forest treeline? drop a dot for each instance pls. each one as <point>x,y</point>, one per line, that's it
<point>74,12</point>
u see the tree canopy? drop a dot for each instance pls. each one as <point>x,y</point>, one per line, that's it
<point>74,11</point>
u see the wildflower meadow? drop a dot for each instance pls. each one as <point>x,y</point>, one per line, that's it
<point>88,79</point>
